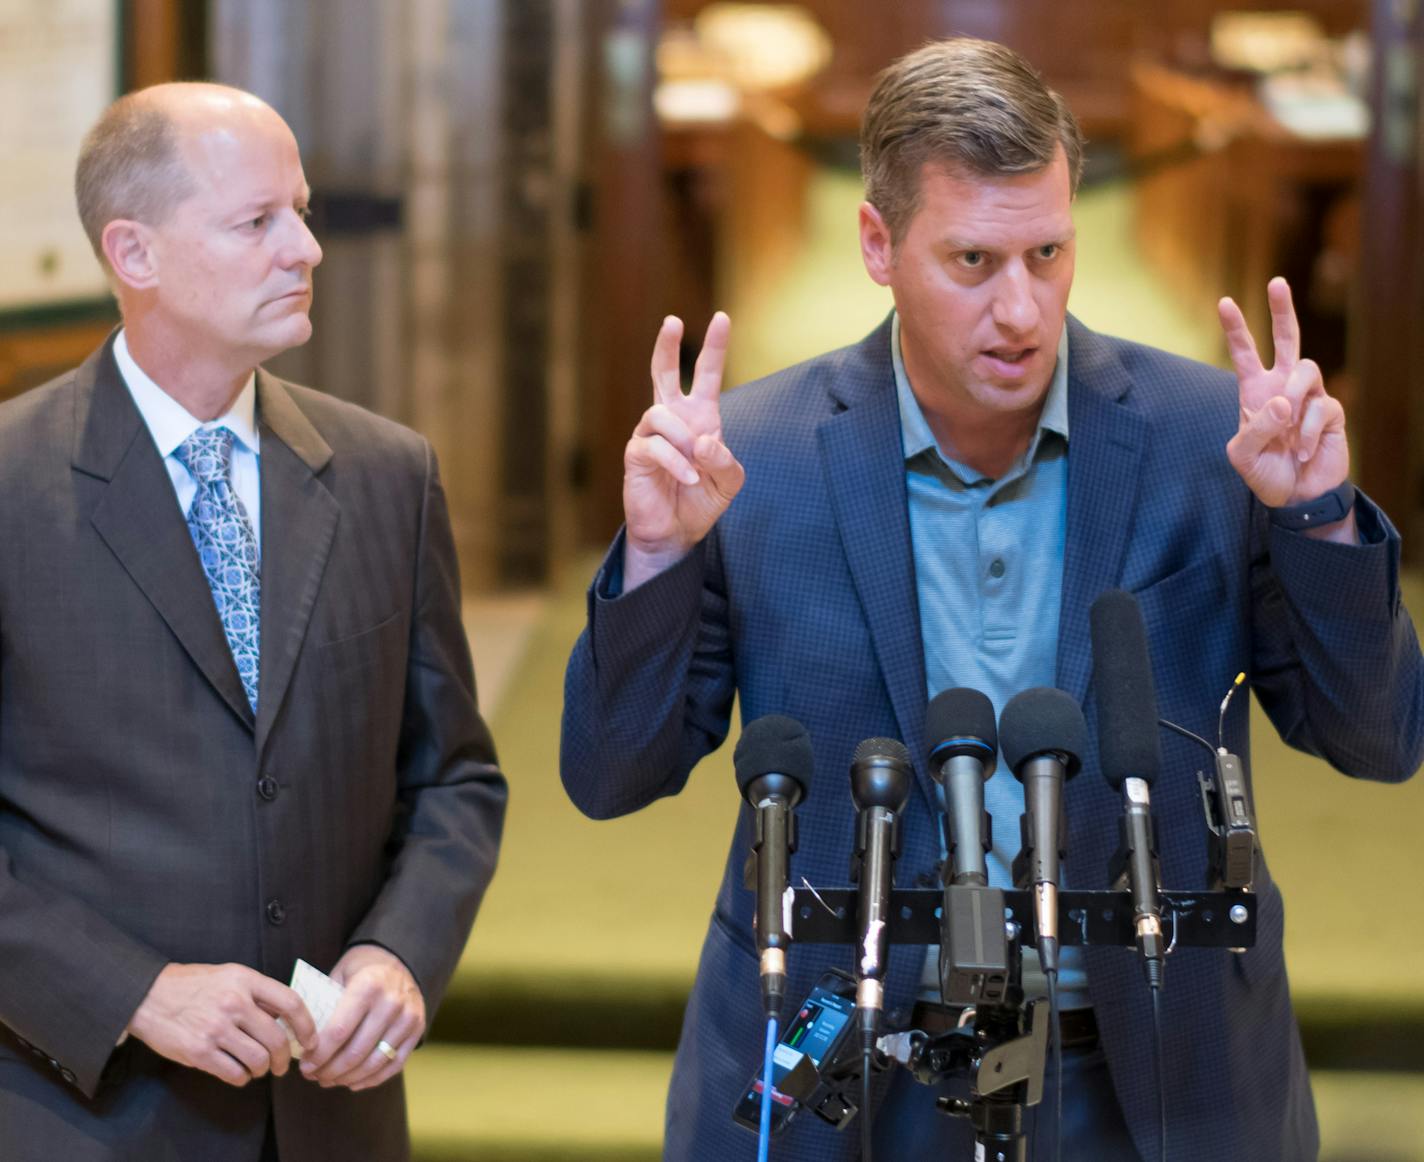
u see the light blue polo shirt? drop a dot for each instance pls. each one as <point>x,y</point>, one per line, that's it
<point>989,576</point>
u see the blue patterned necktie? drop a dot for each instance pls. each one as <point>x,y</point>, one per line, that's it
<point>226,546</point>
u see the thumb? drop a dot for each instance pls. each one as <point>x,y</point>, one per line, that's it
<point>715,460</point>
<point>1270,423</point>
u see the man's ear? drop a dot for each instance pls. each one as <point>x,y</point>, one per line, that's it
<point>128,247</point>
<point>876,248</point>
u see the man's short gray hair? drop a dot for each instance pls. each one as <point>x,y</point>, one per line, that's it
<point>130,166</point>
<point>966,105</point>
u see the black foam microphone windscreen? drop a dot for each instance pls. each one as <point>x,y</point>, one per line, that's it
<point>1039,721</point>
<point>961,719</point>
<point>774,745</point>
<point>1128,744</point>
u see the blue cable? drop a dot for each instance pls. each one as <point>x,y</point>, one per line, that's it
<point>764,1136</point>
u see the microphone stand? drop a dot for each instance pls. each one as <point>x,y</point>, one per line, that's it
<point>1004,1051</point>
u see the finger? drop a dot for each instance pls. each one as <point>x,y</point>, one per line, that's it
<point>277,999</point>
<point>720,466</point>
<point>263,1029</point>
<point>348,1020</point>
<point>1239,344</point>
<point>666,367</point>
<point>401,1035</point>
<point>1285,327</point>
<point>1322,413</point>
<point>712,359</point>
<point>653,452</point>
<point>661,420</point>
<point>250,1054</point>
<point>360,1049</point>
<point>1304,382</point>
<point>1269,423</point>
<point>224,1066</point>
<point>408,1030</point>
<point>388,1071</point>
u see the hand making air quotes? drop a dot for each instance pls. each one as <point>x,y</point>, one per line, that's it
<point>1291,444</point>
<point>678,475</point>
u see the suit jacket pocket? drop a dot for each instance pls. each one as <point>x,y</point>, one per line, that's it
<point>1190,632</point>
<point>362,680</point>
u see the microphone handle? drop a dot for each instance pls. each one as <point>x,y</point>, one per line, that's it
<point>1141,874</point>
<point>772,872</point>
<point>1043,802</point>
<point>963,778</point>
<point>877,873</point>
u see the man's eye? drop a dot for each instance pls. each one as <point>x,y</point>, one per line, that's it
<point>1048,251</point>
<point>255,223</point>
<point>972,258</point>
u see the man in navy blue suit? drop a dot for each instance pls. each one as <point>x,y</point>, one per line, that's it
<point>939,505</point>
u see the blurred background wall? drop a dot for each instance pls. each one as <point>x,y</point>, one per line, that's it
<point>512,193</point>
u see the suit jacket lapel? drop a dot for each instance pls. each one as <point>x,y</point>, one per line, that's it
<point>862,457</point>
<point>1106,439</point>
<point>299,518</point>
<point>139,519</point>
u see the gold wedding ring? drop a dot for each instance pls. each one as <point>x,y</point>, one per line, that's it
<point>384,1048</point>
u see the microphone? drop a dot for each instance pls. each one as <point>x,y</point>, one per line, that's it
<point>1043,736</point>
<point>1131,756</point>
<point>880,776</point>
<point>773,761</point>
<point>961,724</point>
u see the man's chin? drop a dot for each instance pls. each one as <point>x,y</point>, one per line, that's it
<point>291,332</point>
<point>276,338</point>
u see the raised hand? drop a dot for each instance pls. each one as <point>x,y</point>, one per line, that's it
<point>678,475</point>
<point>1290,446</point>
<point>222,1019</point>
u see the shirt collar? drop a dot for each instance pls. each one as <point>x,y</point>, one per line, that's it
<point>169,422</point>
<point>915,435</point>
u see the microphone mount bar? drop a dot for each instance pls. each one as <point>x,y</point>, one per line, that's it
<point>1220,919</point>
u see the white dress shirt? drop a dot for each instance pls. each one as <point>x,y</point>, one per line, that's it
<point>170,423</point>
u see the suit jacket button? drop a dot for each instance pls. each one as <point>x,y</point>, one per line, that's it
<point>68,1075</point>
<point>267,787</point>
<point>276,912</point>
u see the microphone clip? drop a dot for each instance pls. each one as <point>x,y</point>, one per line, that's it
<point>1119,875</point>
<point>863,822</point>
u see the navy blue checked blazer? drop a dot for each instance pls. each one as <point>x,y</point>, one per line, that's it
<point>802,601</point>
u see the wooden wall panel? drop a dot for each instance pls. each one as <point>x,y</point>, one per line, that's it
<point>1388,346</point>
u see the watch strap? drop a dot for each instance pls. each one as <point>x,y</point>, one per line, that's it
<point>1309,514</point>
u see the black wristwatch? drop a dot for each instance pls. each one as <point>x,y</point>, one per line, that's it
<point>1310,514</point>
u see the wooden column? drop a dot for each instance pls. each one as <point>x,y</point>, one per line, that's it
<point>622,277</point>
<point>1388,424</point>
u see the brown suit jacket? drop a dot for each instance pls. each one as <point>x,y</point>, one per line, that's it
<point>147,817</point>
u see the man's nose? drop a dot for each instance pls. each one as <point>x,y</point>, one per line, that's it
<point>301,247</point>
<point>1015,307</point>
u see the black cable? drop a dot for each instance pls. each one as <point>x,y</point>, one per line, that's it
<point>1157,1063</point>
<point>866,1057</point>
<point>1055,1032</point>
<point>1182,730</point>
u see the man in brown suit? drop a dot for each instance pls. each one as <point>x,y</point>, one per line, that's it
<point>237,715</point>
